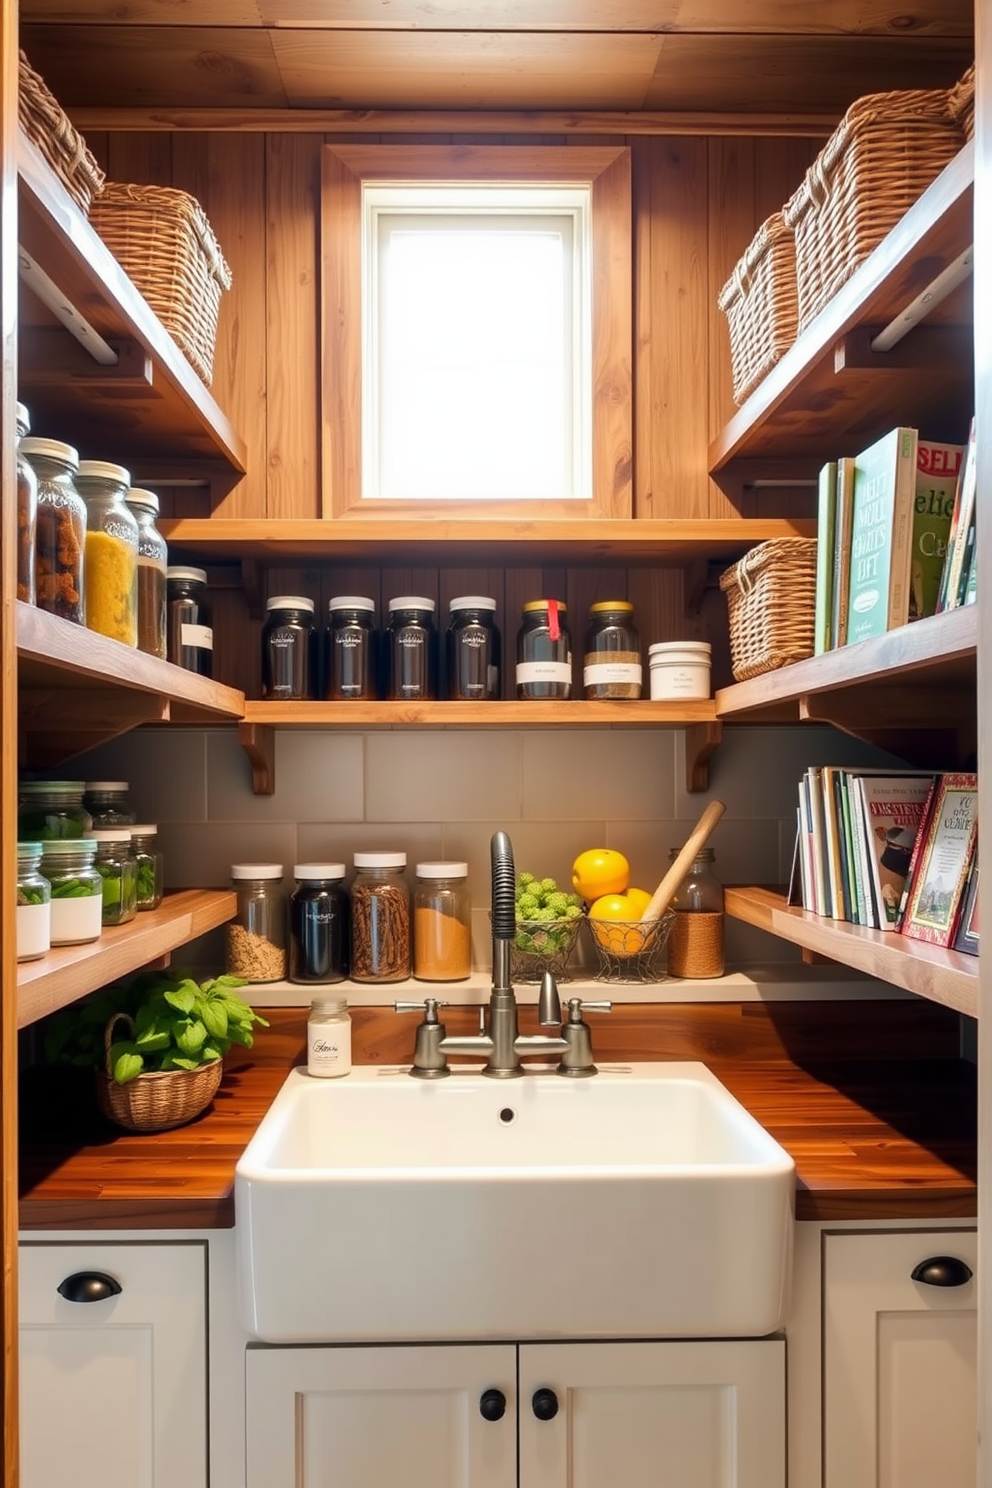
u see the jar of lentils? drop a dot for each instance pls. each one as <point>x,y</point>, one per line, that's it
<point>256,937</point>
<point>60,529</point>
<point>380,918</point>
<point>612,662</point>
<point>111,553</point>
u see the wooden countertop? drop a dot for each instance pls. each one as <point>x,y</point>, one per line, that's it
<point>871,1100</point>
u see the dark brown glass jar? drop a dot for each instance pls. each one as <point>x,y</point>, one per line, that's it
<point>153,560</point>
<point>190,636</point>
<point>544,651</point>
<point>411,649</point>
<point>350,661</point>
<point>472,648</point>
<point>289,648</point>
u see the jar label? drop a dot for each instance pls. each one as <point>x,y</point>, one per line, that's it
<point>329,1048</point>
<point>598,672</point>
<point>544,671</point>
<point>197,635</point>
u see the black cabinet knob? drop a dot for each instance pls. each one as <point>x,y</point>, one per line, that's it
<point>942,1271</point>
<point>545,1404</point>
<point>89,1286</point>
<point>492,1405</point>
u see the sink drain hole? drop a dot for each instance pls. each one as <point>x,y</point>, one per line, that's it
<point>507,1115</point>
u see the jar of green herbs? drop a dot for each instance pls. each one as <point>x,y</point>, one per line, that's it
<point>116,866</point>
<point>149,866</point>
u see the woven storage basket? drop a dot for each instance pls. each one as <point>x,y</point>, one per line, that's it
<point>44,123</point>
<point>886,150</point>
<point>961,103</point>
<point>157,1101</point>
<point>161,238</point>
<point>761,304</point>
<point>771,593</point>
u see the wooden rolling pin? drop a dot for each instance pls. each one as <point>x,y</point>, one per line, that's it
<point>665,892</point>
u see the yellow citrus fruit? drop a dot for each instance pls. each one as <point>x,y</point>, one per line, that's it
<point>639,901</point>
<point>613,921</point>
<point>599,871</point>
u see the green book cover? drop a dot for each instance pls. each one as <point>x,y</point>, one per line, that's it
<point>825,558</point>
<point>881,532</point>
<point>937,468</point>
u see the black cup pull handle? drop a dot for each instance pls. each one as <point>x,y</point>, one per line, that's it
<point>89,1286</point>
<point>544,1403</point>
<point>492,1405</point>
<point>942,1271</point>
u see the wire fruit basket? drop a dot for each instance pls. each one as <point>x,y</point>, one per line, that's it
<point>631,950</point>
<point>543,945</point>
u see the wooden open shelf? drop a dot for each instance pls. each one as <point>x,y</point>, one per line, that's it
<point>70,972</point>
<point>948,977</point>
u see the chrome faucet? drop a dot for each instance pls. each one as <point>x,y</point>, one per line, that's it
<point>502,1042</point>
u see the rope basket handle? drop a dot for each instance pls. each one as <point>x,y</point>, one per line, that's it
<point>108,1037</point>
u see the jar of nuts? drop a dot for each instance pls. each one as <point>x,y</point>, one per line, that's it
<point>380,918</point>
<point>256,937</point>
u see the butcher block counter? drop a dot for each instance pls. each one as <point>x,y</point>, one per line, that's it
<point>872,1100</point>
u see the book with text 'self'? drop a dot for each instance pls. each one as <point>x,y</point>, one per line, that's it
<point>937,470</point>
<point>944,861</point>
<point>961,520</point>
<point>825,550</point>
<point>881,532</point>
<point>893,807</point>
<point>842,549</point>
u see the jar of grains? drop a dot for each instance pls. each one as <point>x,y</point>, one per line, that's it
<point>612,662</point>
<point>350,661</point>
<point>116,865</point>
<point>380,918</point>
<point>153,558</point>
<point>27,511</point>
<point>60,529</point>
<point>319,924</point>
<point>107,802</point>
<point>149,866</point>
<point>111,553</point>
<point>256,937</point>
<point>77,890</point>
<point>48,809</point>
<point>33,922</point>
<point>442,923</point>
<point>544,651</point>
<point>189,634</point>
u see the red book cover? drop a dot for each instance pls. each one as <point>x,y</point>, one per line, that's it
<point>945,860</point>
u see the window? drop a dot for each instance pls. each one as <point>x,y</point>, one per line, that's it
<point>476,330</point>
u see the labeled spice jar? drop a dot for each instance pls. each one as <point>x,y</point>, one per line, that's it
<point>60,528</point>
<point>149,866</point>
<point>190,636</point>
<point>256,937</point>
<point>33,927</point>
<point>472,648</point>
<point>411,649</point>
<point>289,642</point>
<point>51,809</point>
<point>442,923</point>
<point>153,560</point>
<point>544,651</point>
<point>117,868</point>
<point>695,944</point>
<point>612,662</point>
<point>350,660</point>
<point>107,803</point>
<point>319,924</point>
<point>111,552</point>
<point>329,1038</point>
<point>77,890</point>
<point>380,918</point>
<point>679,669</point>
<point>27,510</point>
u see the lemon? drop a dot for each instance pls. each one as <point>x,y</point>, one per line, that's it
<point>613,921</point>
<point>639,901</point>
<point>599,871</point>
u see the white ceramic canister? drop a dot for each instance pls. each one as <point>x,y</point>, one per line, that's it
<point>679,669</point>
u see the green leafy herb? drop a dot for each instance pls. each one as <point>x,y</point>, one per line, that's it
<point>544,913</point>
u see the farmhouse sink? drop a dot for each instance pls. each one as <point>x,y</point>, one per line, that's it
<point>646,1202</point>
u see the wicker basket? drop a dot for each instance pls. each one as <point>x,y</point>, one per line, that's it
<point>157,1101</point>
<point>45,124</point>
<point>761,304</point>
<point>961,103</point>
<point>771,594</point>
<point>886,150</point>
<point>163,241</point>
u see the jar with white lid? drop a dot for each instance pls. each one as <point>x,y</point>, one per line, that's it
<point>189,633</point>
<point>77,890</point>
<point>149,865</point>
<point>329,1038</point>
<point>153,561</point>
<point>60,528</point>
<point>33,921</point>
<point>111,553</point>
<point>107,802</point>
<point>117,868</point>
<point>48,809</point>
<point>472,649</point>
<point>679,669</point>
<point>289,643</point>
<point>351,648</point>
<point>256,937</point>
<point>411,649</point>
<point>442,923</point>
<point>319,924</point>
<point>380,918</point>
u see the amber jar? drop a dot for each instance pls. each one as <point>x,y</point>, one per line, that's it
<point>153,558</point>
<point>695,945</point>
<point>27,512</point>
<point>111,552</point>
<point>544,651</point>
<point>60,531</point>
<point>612,661</point>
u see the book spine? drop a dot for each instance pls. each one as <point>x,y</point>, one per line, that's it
<point>904,499</point>
<point>914,857</point>
<point>960,522</point>
<point>843,529</point>
<point>826,557</point>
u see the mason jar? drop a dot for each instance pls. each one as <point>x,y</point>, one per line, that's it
<point>77,890</point>
<point>153,560</point>
<point>111,553</point>
<point>380,918</point>
<point>442,923</point>
<point>319,924</point>
<point>472,648</point>
<point>289,648</point>
<point>60,529</point>
<point>189,634</point>
<point>612,662</point>
<point>33,921</point>
<point>149,866</point>
<point>411,649</point>
<point>695,944</point>
<point>256,937</point>
<point>351,646</point>
<point>329,1038</point>
<point>544,651</point>
<point>117,868</point>
<point>50,809</point>
<point>107,803</point>
<point>27,510</point>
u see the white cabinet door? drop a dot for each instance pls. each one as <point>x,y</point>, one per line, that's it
<point>370,1417</point>
<point>638,1414</point>
<point>114,1391</point>
<point>899,1360</point>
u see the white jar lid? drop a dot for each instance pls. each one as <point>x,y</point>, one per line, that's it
<point>145,830</point>
<point>290,602</point>
<point>411,602</point>
<point>111,834</point>
<point>350,602</point>
<point>52,449</point>
<point>103,470</point>
<point>319,870</point>
<point>472,602</point>
<point>178,572</point>
<point>138,496</point>
<point>57,847</point>
<point>661,650</point>
<point>442,870</point>
<point>256,870</point>
<point>107,785</point>
<point>380,860</point>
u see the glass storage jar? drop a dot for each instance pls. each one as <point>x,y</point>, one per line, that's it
<point>695,944</point>
<point>289,648</point>
<point>351,646</point>
<point>256,937</point>
<point>442,923</point>
<point>27,510</point>
<point>612,662</point>
<point>544,651</point>
<point>380,918</point>
<point>60,528</point>
<point>319,924</point>
<point>329,1038</point>
<point>111,552</point>
<point>117,868</point>
<point>49,809</point>
<point>77,890</point>
<point>33,922</point>
<point>411,649</point>
<point>190,637</point>
<point>472,648</point>
<point>153,561</point>
<point>149,866</point>
<point>107,803</point>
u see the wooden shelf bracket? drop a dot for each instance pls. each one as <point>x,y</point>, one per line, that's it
<point>258,740</point>
<point>700,741</point>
